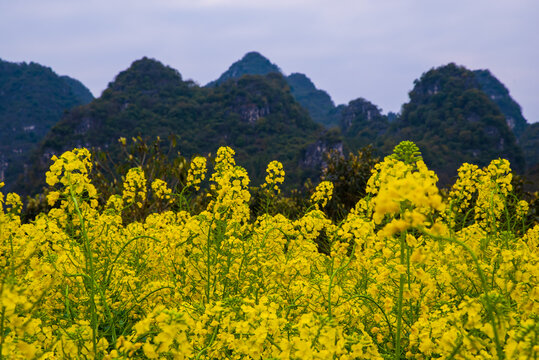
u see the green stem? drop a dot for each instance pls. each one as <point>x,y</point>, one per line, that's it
<point>212,339</point>
<point>399,300</point>
<point>90,264</point>
<point>329,288</point>
<point>455,350</point>
<point>109,314</point>
<point>138,301</point>
<point>184,204</point>
<point>107,277</point>
<point>409,282</point>
<point>11,263</point>
<point>342,267</point>
<point>381,310</point>
<point>67,306</point>
<point>208,261</point>
<point>2,330</point>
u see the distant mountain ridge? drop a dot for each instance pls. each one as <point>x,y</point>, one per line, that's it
<point>448,106</point>
<point>33,98</point>
<point>455,115</point>
<point>256,115</point>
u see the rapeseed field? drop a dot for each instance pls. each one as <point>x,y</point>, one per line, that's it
<point>410,273</point>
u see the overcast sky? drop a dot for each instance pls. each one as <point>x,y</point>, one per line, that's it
<point>351,48</point>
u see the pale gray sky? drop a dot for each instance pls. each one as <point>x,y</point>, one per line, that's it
<point>350,48</point>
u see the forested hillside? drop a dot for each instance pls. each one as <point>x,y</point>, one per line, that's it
<point>32,99</point>
<point>256,115</point>
<point>454,121</point>
<point>454,114</point>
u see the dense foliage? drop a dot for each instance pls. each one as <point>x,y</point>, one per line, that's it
<point>498,93</point>
<point>529,141</point>
<point>317,102</point>
<point>454,122</point>
<point>454,114</point>
<point>349,176</point>
<point>255,114</point>
<point>160,159</point>
<point>407,273</point>
<point>32,99</point>
<point>527,134</point>
<point>449,107</point>
<point>439,109</point>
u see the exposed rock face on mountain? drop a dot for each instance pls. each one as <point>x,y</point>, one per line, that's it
<point>32,99</point>
<point>315,154</point>
<point>252,63</point>
<point>359,111</point>
<point>362,124</point>
<point>317,102</point>
<point>256,115</point>
<point>453,121</point>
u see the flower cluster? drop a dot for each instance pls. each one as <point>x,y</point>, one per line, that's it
<point>230,186</point>
<point>134,191</point>
<point>224,160</point>
<point>71,171</point>
<point>322,194</point>
<point>13,203</point>
<point>197,172</point>
<point>407,193</point>
<point>161,190</point>
<point>494,186</point>
<point>483,194</point>
<point>274,177</point>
